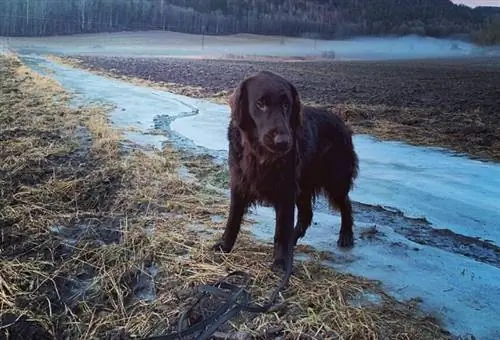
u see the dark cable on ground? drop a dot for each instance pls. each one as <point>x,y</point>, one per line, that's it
<point>235,301</point>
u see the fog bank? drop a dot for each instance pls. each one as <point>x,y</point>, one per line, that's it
<point>172,44</point>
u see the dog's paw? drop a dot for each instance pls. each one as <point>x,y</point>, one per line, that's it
<point>345,241</point>
<point>220,246</point>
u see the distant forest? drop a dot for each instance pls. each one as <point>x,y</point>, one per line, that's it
<point>310,18</point>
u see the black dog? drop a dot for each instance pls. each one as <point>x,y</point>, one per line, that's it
<point>281,154</point>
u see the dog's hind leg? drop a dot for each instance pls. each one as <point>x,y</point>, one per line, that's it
<point>336,180</point>
<point>343,203</point>
<point>304,216</point>
<point>336,189</point>
<point>346,235</point>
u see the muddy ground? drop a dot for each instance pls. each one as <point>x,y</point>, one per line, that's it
<point>447,103</point>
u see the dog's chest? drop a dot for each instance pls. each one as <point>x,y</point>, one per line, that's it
<point>265,181</point>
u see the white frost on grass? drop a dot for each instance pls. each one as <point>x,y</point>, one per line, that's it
<point>451,191</point>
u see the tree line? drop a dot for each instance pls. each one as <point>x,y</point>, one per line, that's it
<point>311,18</point>
<point>489,34</point>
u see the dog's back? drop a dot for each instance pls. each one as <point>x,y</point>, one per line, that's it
<point>327,150</point>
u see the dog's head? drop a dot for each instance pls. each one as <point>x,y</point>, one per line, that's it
<point>267,109</point>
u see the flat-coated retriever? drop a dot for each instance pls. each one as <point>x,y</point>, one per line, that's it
<point>282,154</point>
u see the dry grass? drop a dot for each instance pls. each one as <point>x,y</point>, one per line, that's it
<point>99,241</point>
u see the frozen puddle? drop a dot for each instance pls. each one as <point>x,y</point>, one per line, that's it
<point>460,291</point>
<point>450,192</point>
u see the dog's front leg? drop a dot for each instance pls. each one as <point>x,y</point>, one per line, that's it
<point>237,209</point>
<point>283,235</point>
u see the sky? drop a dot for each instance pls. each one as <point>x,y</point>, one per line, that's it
<point>474,3</point>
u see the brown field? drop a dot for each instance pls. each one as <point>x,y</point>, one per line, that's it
<point>100,240</point>
<point>453,104</point>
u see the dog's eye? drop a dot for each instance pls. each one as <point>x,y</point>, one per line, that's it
<point>260,104</point>
<point>285,106</point>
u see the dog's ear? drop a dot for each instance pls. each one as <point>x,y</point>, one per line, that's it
<point>238,101</point>
<point>296,118</point>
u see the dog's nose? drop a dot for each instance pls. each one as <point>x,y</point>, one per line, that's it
<point>281,142</point>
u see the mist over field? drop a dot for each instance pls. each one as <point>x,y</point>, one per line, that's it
<point>172,44</point>
<point>407,47</point>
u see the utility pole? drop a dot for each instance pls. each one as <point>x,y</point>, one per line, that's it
<point>282,38</point>
<point>27,13</point>
<point>203,28</point>
<point>163,14</point>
